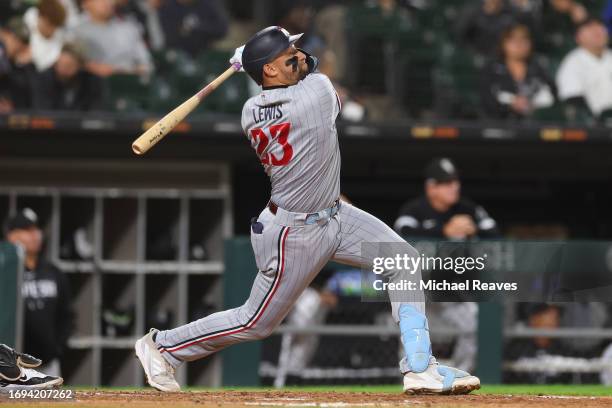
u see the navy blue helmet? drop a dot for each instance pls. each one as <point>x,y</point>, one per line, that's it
<point>263,47</point>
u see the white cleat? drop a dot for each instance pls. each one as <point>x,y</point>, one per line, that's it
<point>159,373</point>
<point>439,379</point>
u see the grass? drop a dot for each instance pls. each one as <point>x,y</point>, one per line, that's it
<point>555,389</point>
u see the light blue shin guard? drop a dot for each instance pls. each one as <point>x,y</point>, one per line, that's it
<point>415,337</point>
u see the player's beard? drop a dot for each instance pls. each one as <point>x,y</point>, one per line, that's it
<point>303,68</point>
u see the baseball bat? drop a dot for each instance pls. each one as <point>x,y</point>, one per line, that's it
<point>165,125</point>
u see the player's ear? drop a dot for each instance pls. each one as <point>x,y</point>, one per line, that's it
<point>270,70</point>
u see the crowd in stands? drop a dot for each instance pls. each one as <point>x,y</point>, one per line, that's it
<point>492,59</point>
<point>515,83</point>
<point>55,54</point>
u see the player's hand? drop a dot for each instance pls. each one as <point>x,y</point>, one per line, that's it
<point>237,58</point>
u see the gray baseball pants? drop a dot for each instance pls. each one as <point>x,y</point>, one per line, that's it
<point>289,254</point>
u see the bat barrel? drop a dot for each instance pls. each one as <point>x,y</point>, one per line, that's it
<point>137,149</point>
<point>160,129</point>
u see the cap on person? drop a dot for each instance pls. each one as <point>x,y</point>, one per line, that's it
<point>26,219</point>
<point>441,170</point>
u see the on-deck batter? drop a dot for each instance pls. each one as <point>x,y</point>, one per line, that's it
<point>291,127</point>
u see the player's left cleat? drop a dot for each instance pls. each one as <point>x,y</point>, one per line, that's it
<point>439,379</point>
<point>159,373</point>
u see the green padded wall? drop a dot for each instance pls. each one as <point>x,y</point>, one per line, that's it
<point>240,361</point>
<point>10,265</point>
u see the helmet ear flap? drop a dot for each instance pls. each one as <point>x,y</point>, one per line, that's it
<point>311,61</point>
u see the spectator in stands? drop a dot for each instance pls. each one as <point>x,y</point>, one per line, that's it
<point>113,46</point>
<point>514,84</point>
<point>296,16</point>
<point>47,35</point>
<point>192,25</point>
<point>527,12</point>
<point>48,314</point>
<point>479,25</point>
<point>146,14</point>
<point>442,212</point>
<point>67,85</point>
<point>563,15</point>
<point>585,74</point>
<point>73,13</point>
<point>16,68</point>
<point>559,21</point>
<point>529,7</point>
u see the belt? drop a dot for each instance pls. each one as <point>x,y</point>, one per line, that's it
<point>312,218</point>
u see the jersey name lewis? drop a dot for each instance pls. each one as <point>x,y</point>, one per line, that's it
<point>263,113</point>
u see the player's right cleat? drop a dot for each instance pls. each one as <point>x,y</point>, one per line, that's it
<point>159,373</point>
<point>439,379</point>
<point>30,379</point>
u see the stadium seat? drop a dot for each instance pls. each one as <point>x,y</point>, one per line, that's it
<point>163,97</point>
<point>372,39</point>
<point>554,113</point>
<point>127,93</point>
<point>456,82</point>
<point>605,117</point>
<point>576,112</point>
<point>231,96</point>
<point>416,56</point>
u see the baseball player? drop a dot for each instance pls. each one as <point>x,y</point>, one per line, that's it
<point>291,127</point>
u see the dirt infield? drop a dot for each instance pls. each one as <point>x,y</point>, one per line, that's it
<point>108,399</point>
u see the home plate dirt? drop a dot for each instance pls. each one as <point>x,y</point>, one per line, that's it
<point>107,399</point>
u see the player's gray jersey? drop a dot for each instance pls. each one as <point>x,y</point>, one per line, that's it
<point>293,131</point>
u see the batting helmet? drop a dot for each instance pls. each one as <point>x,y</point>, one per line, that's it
<point>263,47</point>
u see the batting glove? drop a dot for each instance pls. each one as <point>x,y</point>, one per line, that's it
<point>237,58</point>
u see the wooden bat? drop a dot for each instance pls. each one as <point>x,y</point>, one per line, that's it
<point>160,129</point>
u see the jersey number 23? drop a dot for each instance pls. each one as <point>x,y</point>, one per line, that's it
<point>279,135</point>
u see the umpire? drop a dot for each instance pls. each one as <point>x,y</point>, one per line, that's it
<point>48,315</point>
<point>442,212</point>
